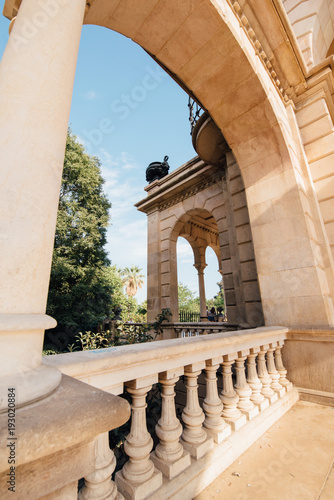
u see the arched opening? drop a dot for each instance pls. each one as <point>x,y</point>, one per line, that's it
<point>187,280</point>
<point>214,287</point>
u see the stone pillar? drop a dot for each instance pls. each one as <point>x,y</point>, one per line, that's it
<point>169,456</point>
<point>138,478</point>
<point>201,286</point>
<point>264,377</point>
<point>243,390</point>
<point>214,424</point>
<point>36,81</point>
<point>98,484</point>
<point>194,437</point>
<point>229,397</point>
<point>153,265</point>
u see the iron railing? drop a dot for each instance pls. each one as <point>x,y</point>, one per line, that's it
<point>195,111</point>
<point>188,317</point>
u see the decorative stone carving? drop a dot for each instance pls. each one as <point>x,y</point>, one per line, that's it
<point>194,437</point>
<point>98,484</point>
<point>169,455</point>
<point>254,382</point>
<point>229,397</point>
<point>264,377</point>
<point>280,367</point>
<point>214,424</point>
<point>243,390</point>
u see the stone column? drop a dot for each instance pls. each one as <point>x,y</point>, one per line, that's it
<point>201,284</point>
<point>194,437</point>
<point>243,390</point>
<point>264,377</point>
<point>98,484</point>
<point>214,424</point>
<point>36,81</point>
<point>138,478</point>
<point>153,265</point>
<point>229,397</point>
<point>280,367</point>
<point>169,456</point>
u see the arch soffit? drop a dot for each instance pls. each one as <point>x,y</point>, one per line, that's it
<point>313,24</point>
<point>197,232</point>
<point>203,45</point>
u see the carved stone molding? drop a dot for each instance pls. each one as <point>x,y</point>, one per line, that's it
<point>191,192</point>
<point>251,35</point>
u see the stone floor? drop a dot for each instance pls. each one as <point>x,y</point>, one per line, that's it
<point>293,460</point>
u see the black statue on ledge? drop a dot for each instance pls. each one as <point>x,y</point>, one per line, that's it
<point>157,170</point>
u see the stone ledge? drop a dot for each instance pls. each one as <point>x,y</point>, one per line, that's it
<point>314,396</point>
<point>75,413</point>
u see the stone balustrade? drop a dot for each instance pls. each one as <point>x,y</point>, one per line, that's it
<point>246,391</point>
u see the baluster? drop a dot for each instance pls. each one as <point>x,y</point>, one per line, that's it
<point>98,485</point>
<point>139,477</point>
<point>275,384</point>
<point>214,424</point>
<point>229,397</point>
<point>254,382</point>
<point>265,378</point>
<point>194,438</point>
<point>280,367</point>
<point>243,390</point>
<point>169,456</point>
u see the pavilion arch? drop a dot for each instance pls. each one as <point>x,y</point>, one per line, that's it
<point>206,205</point>
<point>200,229</point>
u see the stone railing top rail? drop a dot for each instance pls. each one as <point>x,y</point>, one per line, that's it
<point>109,368</point>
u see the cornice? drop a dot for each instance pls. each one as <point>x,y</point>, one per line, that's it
<point>258,47</point>
<point>182,183</point>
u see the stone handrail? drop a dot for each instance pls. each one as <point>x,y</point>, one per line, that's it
<point>254,394</point>
<point>109,368</point>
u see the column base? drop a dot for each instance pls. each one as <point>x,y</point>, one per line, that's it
<point>219,436</point>
<point>272,398</point>
<point>138,491</point>
<point>280,392</point>
<point>288,386</point>
<point>250,413</point>
<point>198,450</point>
<point>263,405</point>
<point>237,423</point>
<point>172,469</point>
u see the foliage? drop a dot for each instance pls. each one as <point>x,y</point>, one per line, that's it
<point>80,287</point>
<point>132,279</point>
<point>124,334</point>
<point>188,302</point>
<point>219,301</point>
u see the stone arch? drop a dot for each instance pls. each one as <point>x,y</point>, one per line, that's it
<point>224,58</point>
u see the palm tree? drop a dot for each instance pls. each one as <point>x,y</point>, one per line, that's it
<point>132,280</point>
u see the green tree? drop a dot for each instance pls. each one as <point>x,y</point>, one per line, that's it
<point>132,279</point>
<point>80,285</point>
<point>187,299</point>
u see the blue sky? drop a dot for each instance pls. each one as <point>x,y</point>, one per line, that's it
<point>127,111</point>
